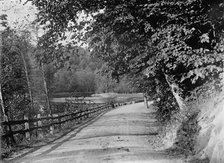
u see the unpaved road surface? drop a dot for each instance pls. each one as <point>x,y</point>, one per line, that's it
<point>121,135</point>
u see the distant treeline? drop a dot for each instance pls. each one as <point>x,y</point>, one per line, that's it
<point>86,73</point>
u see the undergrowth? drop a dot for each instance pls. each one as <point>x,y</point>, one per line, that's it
<point>182,124</point>
<point>186,136</point>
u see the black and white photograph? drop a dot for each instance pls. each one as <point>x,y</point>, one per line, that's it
<point>112,81</point>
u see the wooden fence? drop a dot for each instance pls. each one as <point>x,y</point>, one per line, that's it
<point>41,123</point>
<point>50,122</point>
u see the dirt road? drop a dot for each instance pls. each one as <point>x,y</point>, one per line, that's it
<point>121,135</point>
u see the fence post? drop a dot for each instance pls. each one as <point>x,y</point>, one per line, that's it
<point>51,126</point>
<point>35,125</point>
<point>27,127</point>
<point>51,129</point>
<point>39,130</point>
<point>146,101</point>
<point>59,120</point>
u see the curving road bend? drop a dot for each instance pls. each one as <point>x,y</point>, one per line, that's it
<point>119,136</point>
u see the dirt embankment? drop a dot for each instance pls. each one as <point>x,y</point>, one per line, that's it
<point>210,141</point>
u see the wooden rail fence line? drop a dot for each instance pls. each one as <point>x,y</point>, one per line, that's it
<point>55,120</point>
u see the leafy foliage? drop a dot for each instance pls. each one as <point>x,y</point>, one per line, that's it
<point>13,79</point>
<point>181,39</point>
<point>86,73</point>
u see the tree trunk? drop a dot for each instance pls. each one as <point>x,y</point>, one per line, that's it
<point>176,92</point>
<point>46,90</point>
<point>5,118</point>
<point>1,96</point>
<point>28,82</point>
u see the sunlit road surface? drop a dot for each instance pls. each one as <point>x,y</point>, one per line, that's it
<point>121,135</point>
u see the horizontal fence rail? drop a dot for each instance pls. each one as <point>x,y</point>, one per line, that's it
<point>57,120</point>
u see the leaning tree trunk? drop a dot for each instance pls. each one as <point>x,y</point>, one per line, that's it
<point>172,128</point>
<point>46,90</point>
<point>47,97</point>
<point>5,118</point>
<point>44,77</point>
<point>1,96</point>
<point>28,82</point>
<point>176,93</point>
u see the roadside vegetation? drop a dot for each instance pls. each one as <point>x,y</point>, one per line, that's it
<point>170,50</point>
<point>30,80</point>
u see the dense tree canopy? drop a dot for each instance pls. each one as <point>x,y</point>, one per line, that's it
<point>170,41</point>
<point>177,37</point>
